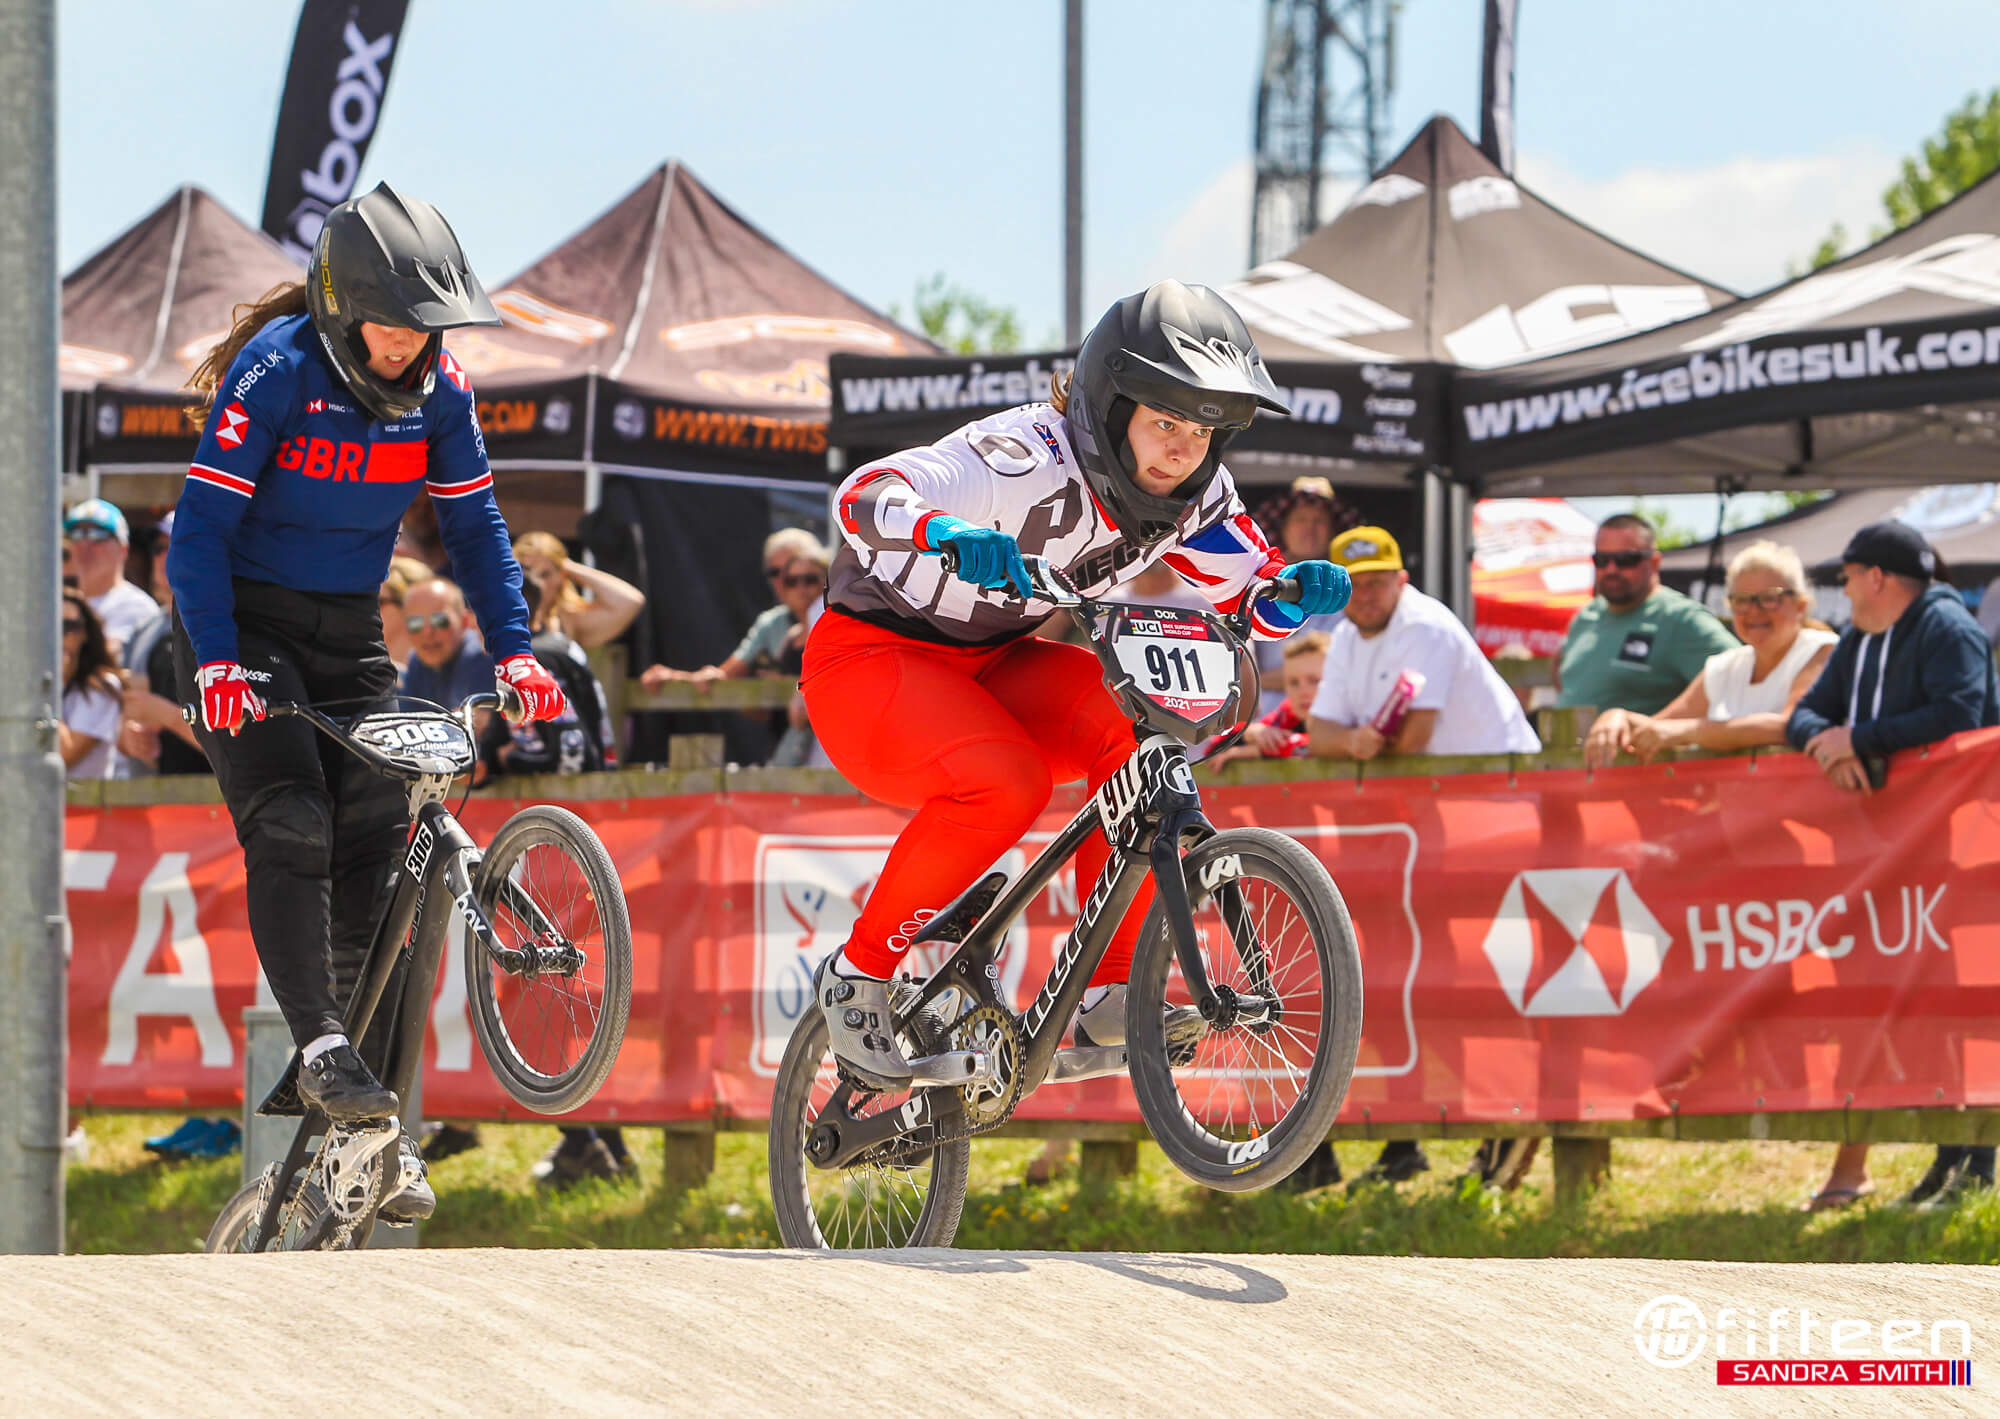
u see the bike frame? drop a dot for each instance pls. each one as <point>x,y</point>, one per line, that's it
<point>1151,810</point>
<point>439,857</point>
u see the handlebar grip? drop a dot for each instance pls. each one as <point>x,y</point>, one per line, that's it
<point>949,556</point>
<point>1283,589</point>
<point>511,707</point>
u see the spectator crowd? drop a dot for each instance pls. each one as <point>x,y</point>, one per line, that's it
<point>1396,674</point>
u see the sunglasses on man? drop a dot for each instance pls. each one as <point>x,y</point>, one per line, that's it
<point>809,579</point>
<point>91,534</point>
<point>1624,561</point>
<point>437,621</point>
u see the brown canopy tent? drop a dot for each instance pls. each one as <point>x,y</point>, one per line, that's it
<point>137,317</point>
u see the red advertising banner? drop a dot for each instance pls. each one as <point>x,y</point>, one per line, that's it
<point>1714,936</point>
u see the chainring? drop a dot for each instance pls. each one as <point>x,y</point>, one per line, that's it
<point>990,1030</point>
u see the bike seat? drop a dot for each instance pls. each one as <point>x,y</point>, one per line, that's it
<point>956,921</point>
<point>283,1101</point>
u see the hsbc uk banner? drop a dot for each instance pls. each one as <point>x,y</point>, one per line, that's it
<point>1719,936</point>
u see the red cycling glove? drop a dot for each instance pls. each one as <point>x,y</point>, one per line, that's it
<point>226,697</point>
<point>541,697</point>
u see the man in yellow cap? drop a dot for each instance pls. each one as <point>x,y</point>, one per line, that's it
<point>1463,706</point>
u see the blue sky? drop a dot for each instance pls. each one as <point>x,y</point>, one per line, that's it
<point>882,140</point>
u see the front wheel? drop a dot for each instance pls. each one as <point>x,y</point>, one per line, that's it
<point>550,1009</point>
<point>1261,1092</point>
<point>305,1222</point>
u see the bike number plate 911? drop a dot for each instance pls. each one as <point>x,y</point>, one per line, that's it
<point>1176,661</point>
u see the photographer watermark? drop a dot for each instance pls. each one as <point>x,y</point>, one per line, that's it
<point>1788,1345</point>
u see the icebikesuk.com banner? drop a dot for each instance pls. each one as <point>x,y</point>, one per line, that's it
<point>1720,936</point>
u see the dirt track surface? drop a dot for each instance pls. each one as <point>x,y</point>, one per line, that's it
<point>493,1333</point>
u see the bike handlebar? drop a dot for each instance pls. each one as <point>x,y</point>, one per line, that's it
<point>1053,586</point>
<point>503,698</point>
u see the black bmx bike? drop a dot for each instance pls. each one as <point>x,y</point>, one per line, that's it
<point>1246,928</point>
<point>548,974</point>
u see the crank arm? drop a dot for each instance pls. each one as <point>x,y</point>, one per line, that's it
<point>1071,1066</point>
<point>837,1141</point>
<point>951,1069</point>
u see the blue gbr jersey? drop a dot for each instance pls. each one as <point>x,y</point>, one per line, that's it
<point>295,483</point>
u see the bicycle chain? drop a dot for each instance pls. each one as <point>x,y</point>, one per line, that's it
<point>989,1117</point>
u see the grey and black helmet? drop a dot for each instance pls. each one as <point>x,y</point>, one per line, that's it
<point>1181,349</point>
<point>391,260</point>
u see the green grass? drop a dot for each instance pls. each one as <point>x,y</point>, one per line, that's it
<point>1715,1201</point>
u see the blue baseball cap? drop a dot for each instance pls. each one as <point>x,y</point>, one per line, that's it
<point>95,512</point>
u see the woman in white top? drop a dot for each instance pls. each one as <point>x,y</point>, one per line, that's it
<point>1743,696</point>
<point>93,696</point>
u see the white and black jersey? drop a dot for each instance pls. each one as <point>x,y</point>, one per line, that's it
<point>1016,471</point>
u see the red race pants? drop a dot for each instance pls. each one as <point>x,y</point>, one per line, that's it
<point>974,738</point>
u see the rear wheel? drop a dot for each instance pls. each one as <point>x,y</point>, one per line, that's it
<point>304,1223</point>
<point>1261,1092</point>
<point>906,1200</point>
<point>550,1011</point>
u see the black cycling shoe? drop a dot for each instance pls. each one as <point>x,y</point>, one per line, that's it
<point>340,1086</point>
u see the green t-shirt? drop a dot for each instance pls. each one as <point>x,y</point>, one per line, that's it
<point>1641,659</point>
<point>763,645</point>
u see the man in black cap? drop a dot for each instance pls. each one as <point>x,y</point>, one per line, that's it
<point>1914,668</point>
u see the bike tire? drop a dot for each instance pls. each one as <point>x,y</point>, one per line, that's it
<point>232,1224</point>
<point>807,1065</point>
<point>546,1083</point>
<point>1253,1151</point>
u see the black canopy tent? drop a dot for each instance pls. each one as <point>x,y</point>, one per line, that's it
<point>1881,369</point>
<point>1441,263</point>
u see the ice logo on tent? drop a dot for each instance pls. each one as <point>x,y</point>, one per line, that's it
<point>1949,508</point>
<point>1574,941</point>
<point>1962,268</point>
<point>1477,195</point>
<point>1387,191</point>
<point>555,418</point>
<point>629,419</point>
<point>107,419</point>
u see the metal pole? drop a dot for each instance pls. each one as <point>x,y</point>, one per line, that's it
<point>1072,172</point>
<point>33,931</point>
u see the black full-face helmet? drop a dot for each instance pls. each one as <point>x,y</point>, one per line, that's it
<point>1181,349</point>
<point>392,260</point>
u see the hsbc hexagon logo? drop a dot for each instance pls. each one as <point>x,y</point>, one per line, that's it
<point>1574,941</point>
<point>454,372</point>
<point>229,430</point>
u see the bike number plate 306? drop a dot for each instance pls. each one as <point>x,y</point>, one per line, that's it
<point>1176,661</point>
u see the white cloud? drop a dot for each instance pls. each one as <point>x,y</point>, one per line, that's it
<point>1739,223</point>
<point>1208,242</point>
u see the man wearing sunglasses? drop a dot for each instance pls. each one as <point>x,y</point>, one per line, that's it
<point>447,660</point>
<point>96,537</point>
<point>1637,643</point>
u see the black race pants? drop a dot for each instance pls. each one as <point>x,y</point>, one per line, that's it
<point>321,832</point>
